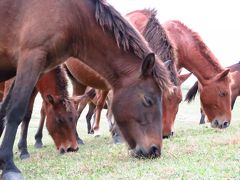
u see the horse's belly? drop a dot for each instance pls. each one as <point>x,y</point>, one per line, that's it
<point>86,75</point>
<point>7,69</point>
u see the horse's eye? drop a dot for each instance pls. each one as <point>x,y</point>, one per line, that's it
<point>59,120</point>
<point>71,119</point>
<point>148,101</point>
<point>222,94</point>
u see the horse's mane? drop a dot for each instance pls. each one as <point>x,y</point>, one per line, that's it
<point>191,94</point>
<point>125,34</point>
<point>204,50</point>
<point>61,81</point>
<point>159,42</point>
<point>128,38</point>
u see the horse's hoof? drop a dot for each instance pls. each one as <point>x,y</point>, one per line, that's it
<point>91,132</point>
<point>12,176</point>
<point>80,142</point>
<point>96,133</point>
<point>38,145</point>
<point>24,156</point>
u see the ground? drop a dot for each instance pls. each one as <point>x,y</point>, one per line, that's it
<point>194,152</point>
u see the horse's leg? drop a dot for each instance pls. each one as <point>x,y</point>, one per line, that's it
<point>113,127</point>
<point>3,108</point>
<point>38,136</point>
<point>22,144</point>
<point>78,89</point>
<point>81,105</point>
<point>28,71</point>
<point>100,103</point>
<point>202,120</point>
<point>91,109</point>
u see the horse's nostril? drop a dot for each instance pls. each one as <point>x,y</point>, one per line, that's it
<point>72,149</point>
<point>225,124</point>
<point>172,133</point>
<point>155,151</point>
<point>215,123</point>
<point>62,151</point>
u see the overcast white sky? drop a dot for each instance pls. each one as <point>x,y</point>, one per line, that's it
<point>217,22</point>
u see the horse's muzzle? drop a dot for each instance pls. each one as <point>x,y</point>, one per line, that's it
<point>221,124</point>
<point>153,152</point>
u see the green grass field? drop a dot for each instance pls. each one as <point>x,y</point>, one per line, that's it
<point>195,152</point>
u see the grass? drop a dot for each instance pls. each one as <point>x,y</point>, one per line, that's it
<point>195,152</point>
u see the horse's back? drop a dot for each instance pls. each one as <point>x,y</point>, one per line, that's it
<point>48,25</point>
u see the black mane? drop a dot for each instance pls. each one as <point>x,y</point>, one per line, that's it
<point>159,42</point>
<point>125,35</point>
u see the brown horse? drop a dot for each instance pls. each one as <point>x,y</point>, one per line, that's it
<point>148,25</point>
<point>96,34</point>
<point>235,88</point>
<point>214,80</point>
<point>60,110</point>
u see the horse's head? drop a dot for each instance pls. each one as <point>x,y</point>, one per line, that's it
<point>61,122</point>
<point>170,106</point>
<point>137,110</point>
<point>215,96</point>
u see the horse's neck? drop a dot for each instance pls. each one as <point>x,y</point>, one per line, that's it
<point>117,69</point>
<point>48,85</point>
<point>196,63</point>
<point>192,56</point>
<point>106,58</point>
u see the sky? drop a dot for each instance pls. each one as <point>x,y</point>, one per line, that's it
<point>217,22</point>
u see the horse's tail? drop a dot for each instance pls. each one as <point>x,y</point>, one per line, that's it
<point>190,96</point>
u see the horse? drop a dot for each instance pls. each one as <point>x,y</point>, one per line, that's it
<point>99,37</point>
<point>148,25</point>
<point>60,110</point>
<point>78,104</point>
<point>235,75</point>
<point>214,80</point>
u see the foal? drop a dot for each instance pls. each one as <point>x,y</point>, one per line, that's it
<point>61,113</point>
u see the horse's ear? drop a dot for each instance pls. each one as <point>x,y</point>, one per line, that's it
<point>148,64</point>
<point>184,77</point>
<point>222,74</point>
<point>168,63</point>
<point>50,99</point>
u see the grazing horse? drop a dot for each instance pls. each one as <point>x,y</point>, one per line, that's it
<point>147,24</point>
<point>99,37</point>
<point>235,88</point>
<point>214,80</point>
<point>60,110</point>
